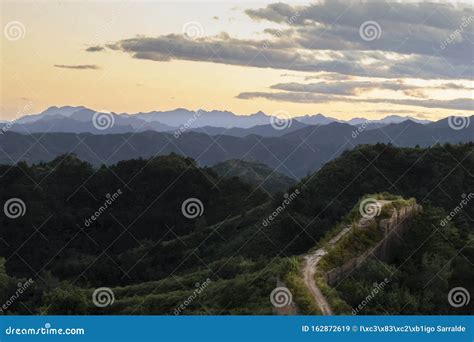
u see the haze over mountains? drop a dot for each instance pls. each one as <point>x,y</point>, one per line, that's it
<point>80,120</point>
<point>295,151</point>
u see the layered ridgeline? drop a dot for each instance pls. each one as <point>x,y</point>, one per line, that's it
<point>296,153</point>
<point>165,236</point>
<point>71,119</point>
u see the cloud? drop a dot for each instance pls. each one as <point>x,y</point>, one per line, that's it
<point>285,54</point>
<point>95,48</point>
<point>405,27</point>
<point>329,76</point>
<point>339,88</point>
<point>357,87</point>
<point>78,67</point>
<point>304,97</point>
<point>325,37</point>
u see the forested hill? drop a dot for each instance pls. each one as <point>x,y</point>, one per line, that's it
<point>137,228</point>
<point>256,174</point>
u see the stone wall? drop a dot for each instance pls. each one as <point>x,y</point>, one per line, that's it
<point>393,229</point>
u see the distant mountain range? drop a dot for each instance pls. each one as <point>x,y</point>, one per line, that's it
<point>295,153</point>
<point>69,119</point>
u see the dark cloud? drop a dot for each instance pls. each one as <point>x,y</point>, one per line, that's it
<point>284,54</point>
<point>405,28</point>
<point>78,67</point>
<point>96,48</point>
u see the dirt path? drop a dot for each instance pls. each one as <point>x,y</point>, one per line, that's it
<point>309,270</point>
<point>312,260</point>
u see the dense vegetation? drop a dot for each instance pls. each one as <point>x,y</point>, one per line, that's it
<point>422,274</point>
<point>256,174</point>
<point>152,256</point>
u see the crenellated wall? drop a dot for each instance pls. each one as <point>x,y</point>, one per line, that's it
<point>393,228</point>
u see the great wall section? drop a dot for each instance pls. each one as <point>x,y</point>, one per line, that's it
<point>393,229</point>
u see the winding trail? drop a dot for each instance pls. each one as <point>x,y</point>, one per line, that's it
<point>312,260</point>
<point>309,270</point>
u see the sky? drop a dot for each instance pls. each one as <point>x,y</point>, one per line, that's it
<point>343,59</point>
